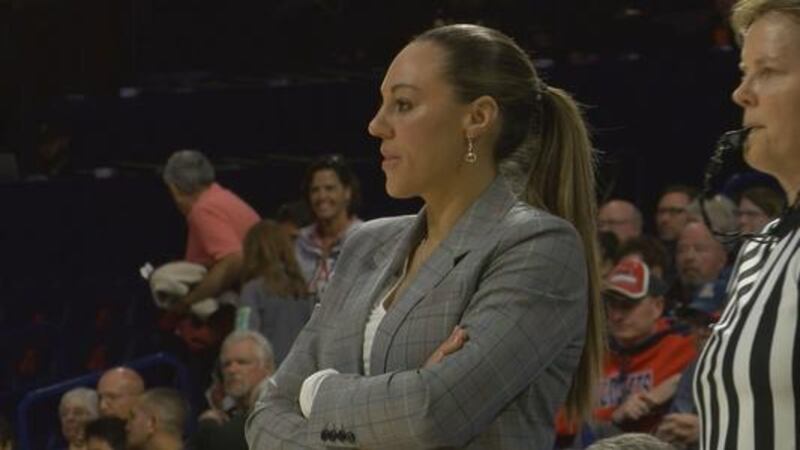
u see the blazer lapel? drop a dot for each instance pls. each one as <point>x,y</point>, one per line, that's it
<point>470,231</point>
<point>379,269</point>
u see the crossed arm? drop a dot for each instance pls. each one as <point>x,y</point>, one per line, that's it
<point>529,306</point>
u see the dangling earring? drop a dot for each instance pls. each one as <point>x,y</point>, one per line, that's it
<point>471,156</point>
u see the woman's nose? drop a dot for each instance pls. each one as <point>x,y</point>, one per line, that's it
<point>377,126</point>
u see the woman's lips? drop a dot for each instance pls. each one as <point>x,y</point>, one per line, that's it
<point>389,162</point>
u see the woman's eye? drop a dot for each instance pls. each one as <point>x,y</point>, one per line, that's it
<point>766,72</point>
<point>402,105</point>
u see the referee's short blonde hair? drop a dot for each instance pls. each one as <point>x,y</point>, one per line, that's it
<point>745,12</point>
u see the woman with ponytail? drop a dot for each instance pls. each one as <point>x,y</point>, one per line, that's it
<point>470,323</point>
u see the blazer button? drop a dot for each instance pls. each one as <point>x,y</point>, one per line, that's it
<point>350,437</point>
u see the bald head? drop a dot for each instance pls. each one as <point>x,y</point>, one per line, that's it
<point>621,218</point>
<point>118,389</point>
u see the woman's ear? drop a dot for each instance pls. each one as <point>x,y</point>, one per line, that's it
<point>482,117</point>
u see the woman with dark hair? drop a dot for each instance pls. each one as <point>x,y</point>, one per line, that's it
<point>758,206</point>
<point>274,299</point>
<point>333,194</point>
<point>469,324</point>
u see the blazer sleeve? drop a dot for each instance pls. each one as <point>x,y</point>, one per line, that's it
<point>276,421</point>
<point>529,305</point>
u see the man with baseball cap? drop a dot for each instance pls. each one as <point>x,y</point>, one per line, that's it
<point>647,352</point>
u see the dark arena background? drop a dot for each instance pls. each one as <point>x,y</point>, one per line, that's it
<point>263,88</point>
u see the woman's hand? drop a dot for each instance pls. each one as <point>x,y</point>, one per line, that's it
<point>452,344</point>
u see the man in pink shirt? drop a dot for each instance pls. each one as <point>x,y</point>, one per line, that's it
<point>217,222</point>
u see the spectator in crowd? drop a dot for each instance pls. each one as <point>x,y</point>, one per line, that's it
<point>247,361</point>
<point>647,351</point>
<point>117,390</point>
<point>631,441</point>
<point>757,207</point>
<point>274,299</point>
<point>721,213</point>
<point>52,156</point>
<point>699,259</point>
<point>672,215</point>
<point>649,250</point>
<point>217,222</point>
<point>106,433</point>
<point>333,193</point>
<point>293,216</point>
<point>157,420</point>
<point>682,425</point>
<point>6,435</point>
<point>620,217</point>
<point>671,212</point>
<point>77,408</point>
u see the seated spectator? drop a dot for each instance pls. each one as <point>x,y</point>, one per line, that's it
<point>649,250</point>
<point>274,300</point>
<point>333,194</point>
<point>620,217</point>
<point>631,441</point>
<point>6,435</point>
<point>118,390</point>
<point>721,212</point>
<point>758,206</point>
<point>646,354</point>
<point>246,361</point>
<point>700,259</point>
<point>681,426</point>
<point>157,420</point>
<point>292,217</point>
<point>52,157</point>
<point>77,407</point>
<point>672,215</point>
<point>671,212</point>
<point>105,433</point>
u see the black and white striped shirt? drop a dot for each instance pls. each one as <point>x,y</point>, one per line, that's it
<point>747,384</point>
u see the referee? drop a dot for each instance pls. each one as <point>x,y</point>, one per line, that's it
<point>747,384</point>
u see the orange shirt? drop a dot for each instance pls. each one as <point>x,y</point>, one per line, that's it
<point>218,222</point>
<point>628,371</point>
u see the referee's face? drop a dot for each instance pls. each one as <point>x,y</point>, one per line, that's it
<point>769,93</point>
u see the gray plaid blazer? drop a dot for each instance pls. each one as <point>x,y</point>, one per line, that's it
<point>514,276</point>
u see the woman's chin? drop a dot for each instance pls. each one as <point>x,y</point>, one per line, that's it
<point>395,191</point>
